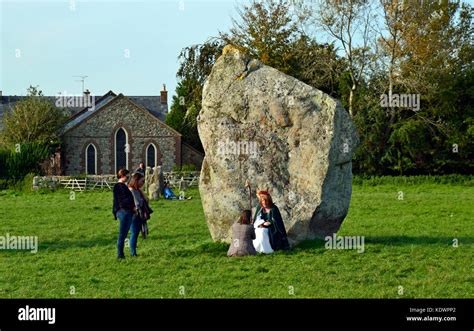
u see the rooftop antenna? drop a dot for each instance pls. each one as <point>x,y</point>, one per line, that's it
<point>83,78</point>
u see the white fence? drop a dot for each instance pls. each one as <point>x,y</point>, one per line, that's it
<point>181,180</point>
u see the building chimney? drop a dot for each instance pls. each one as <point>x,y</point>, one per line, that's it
<point>87,102</point>
<point>164,95</point>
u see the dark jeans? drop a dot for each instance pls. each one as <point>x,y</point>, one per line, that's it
<point>127,220</point>
<point>135,231</point>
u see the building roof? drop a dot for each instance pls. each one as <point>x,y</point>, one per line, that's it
<point>86,112</point>
<point>105,100</point>
<point>151,103</point>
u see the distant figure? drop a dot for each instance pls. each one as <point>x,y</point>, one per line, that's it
<point>183,185</point>
<point>242,235</point>
<point>141,169</point>
<point>161,180</point>
<point>169,194</point>
<point>270,231</point>
<point>123,209</point>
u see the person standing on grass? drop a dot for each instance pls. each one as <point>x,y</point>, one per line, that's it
<point>123,209</point>
<point>141,169</point>
<point>140,218</point>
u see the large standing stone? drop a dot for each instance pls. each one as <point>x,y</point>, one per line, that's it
<point>259,124</point>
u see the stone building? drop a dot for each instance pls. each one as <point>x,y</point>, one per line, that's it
<point>120,132</point>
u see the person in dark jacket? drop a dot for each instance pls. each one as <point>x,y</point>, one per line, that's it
<point>141,169</point>
<point>272,220</point>
<point>123,209</point>
<point>242,236</point>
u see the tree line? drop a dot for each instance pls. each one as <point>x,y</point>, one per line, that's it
<point>402,69</point>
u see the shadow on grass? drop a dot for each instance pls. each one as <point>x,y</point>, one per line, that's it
<point>310,244</point>
<point>418,240</point>
<point>392,241</point>
<point>220,249</point>
<point>67,244</point>
<point>210,248</point>
<point>172,238</point>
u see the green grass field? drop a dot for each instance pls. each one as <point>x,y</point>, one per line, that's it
<point>409,251</point>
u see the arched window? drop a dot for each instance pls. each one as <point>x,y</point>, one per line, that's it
<point>151,156</point>
<point>91,160</point>
<point>121,149</point>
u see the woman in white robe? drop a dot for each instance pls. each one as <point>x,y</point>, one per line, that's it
<point>262,239</point>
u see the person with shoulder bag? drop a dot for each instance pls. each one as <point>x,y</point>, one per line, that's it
<point>123,209</point>
<point>143,211</point>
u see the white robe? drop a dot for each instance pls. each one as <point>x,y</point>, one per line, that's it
<point>262,239</point>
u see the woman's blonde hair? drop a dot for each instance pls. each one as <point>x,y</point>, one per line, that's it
<point>265,195</point>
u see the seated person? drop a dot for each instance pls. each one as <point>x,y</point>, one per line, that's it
<point>242,236</point>
<point>169,194</point>
<point>141,169</point>
<point>269,228</point>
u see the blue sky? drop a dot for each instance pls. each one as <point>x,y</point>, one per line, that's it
<point>125,46</point>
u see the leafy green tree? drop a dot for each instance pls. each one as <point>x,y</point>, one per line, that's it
<point>175,117</point>
<point>33,119</point>
<point>429,46</point>
<point>422,48</point>
<point>26,158</point>
<point>196,65</point>
<point>348,23</point>
<point>317,65</point>
<point>265,29</point>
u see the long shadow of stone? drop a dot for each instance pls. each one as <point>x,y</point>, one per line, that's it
<point>172,237</point>
<point>68,244</point>
<point>220,247</point>
<point>418,240</point>
<point>393,241</point>
<point>309,245</point>
<point>214,249</point>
